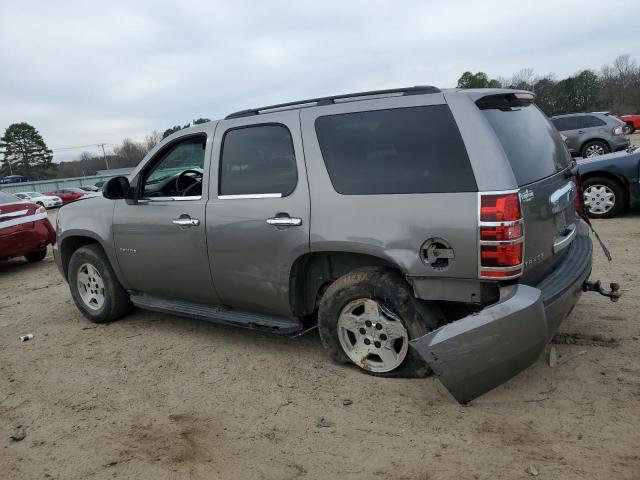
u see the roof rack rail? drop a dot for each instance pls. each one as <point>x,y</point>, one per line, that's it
<point>313,102</point>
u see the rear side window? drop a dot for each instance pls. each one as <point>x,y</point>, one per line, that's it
<point>587,121</point>
<point>7,198</point>
<point>403,150</point>
<point>566,123</point>
<point>257,160</point>
<point>534,148</point>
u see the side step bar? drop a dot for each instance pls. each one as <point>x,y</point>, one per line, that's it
<point>219,314</point>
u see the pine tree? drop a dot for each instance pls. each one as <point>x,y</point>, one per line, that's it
<point>24,152</point>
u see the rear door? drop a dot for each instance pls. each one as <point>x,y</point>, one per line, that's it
<point>541,166</point>
<point>259,211</point>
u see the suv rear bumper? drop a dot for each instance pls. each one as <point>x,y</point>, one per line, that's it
<point>481,351</point>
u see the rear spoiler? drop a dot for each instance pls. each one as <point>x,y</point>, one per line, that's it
<point>505,101</point>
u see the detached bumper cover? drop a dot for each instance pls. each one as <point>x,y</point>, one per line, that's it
<point>479,352</point>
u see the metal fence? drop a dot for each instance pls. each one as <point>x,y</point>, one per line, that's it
<point>44,186</point>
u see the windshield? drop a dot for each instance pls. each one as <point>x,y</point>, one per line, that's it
<point>532,144</point>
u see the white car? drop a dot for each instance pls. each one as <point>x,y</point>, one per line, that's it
<point>46,201</point>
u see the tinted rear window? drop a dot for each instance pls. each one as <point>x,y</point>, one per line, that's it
<point>403,150</point>
<point>534,148</point>
<point>7,198</point>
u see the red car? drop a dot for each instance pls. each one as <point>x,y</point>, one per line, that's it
<point>68,194</point>
<point>25,230</point>
<point>632,121</point>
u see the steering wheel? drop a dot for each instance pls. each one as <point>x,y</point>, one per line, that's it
<point>193,181</point>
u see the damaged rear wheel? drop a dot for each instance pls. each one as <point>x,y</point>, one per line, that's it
<point>367,318</point>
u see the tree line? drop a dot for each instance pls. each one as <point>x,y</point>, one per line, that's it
<point>24,152</point>
<point>615,88</point>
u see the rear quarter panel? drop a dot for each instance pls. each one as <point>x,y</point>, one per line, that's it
<point>391,227</point>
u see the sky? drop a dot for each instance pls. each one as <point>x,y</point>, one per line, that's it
<point>88,72</point>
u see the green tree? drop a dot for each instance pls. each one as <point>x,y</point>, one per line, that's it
<point>25,152</point>
<point>177,128</point>
<point>477,80</point>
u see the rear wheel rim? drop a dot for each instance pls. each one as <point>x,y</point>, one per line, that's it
<point>594,150</point>
<point>373,337</point>
<point>599,199</point>
<point>90,286</point>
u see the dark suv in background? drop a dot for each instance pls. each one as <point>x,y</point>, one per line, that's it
<point>591,134</point>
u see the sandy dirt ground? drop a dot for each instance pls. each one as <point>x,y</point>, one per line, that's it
<point>161,397</point>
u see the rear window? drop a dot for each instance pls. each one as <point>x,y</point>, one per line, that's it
<point>534,148</point>
<point>588,121</point>
<point>403,150</point>
<point>7,198</point>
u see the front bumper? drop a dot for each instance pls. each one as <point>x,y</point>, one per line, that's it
<point>481,351</point>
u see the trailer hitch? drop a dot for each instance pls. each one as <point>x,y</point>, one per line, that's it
<point>613,294</point>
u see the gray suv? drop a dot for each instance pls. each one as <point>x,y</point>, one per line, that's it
<point>420,229</point>
<point>591,134</point>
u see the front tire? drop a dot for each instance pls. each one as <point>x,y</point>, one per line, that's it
<point>594,148</point>
<point>367,318</point>
<point>94,286</point>
<point>603,197</point>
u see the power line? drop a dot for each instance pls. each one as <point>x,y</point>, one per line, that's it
<point>81,146</point>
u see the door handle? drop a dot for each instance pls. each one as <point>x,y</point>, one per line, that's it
<point>284,221</point>
<point>186,221</point>
<point>580,131</point>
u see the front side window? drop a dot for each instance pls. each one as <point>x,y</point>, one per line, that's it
<point>179,171</point>
<point>258,160</point>
<point>402,150</point>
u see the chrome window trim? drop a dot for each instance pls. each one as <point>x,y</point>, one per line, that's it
<point>170,199</point>
<point>249,195</point>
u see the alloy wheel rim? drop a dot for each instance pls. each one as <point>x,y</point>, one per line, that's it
<point>594,150</point>
<point>372,336</point>
<point>90,286</point>
<point>599,199</point>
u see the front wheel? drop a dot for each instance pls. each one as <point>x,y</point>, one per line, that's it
<point>603,197</point>
<point>94,287</point>
<point>367,317</point>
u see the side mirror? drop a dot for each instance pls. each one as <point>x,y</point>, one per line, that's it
<point>116,188</point>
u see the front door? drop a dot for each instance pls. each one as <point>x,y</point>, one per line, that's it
<point>159,236</point>
<point>258,212</point>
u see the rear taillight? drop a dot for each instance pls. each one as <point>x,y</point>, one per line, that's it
<point>618,131</point>
<point>501,236</point>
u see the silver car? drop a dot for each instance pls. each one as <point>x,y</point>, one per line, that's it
<point>419,229</point>
<point>591,134</point>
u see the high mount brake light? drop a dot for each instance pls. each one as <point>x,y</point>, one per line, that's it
<point>500,235</point>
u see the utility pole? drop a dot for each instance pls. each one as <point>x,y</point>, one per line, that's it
<point>104,155</point>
